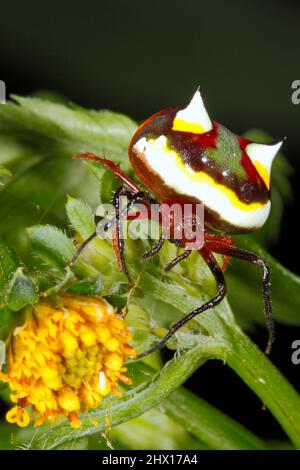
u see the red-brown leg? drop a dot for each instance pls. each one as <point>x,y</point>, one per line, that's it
<point>111,166</point>
<point>210,237</point>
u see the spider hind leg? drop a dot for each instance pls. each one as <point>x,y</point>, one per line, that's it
<point>245,255</point>
<point>221,286</point>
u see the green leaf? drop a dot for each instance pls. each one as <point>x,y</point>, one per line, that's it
<point>81,217</point>
<point>20,291</point>
<point>9,274</point>
<point>52,244</point>
<point>8,321</point>
<point>72,127</point>
<point>88,286</point>
<point>82,221</point>
<point>37,139</point>
<point>9,262</point>
<point>57,250</point>
<point>242,355</point>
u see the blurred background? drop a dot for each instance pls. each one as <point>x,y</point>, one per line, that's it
<point>137,57</point>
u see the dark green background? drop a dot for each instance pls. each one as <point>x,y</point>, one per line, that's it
<point>137,57</point>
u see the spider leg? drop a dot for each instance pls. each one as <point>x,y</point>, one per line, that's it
<point>134,194</point>
<point>116,223</point>
<point>118,239</point>
<point>254,259</point>
<point>221,286</point>
<point>211,237</point>
<point>155,248</point>
<point>176,260</point>
<point>111,166</point>
<point>80,249</point>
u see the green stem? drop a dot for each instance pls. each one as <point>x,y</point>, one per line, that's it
<point>208,424</point>
<point>243,357</point>
<point>267,382</point>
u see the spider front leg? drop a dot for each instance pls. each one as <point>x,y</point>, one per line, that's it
<point>234,252</point>
<point>134,195</point>
<point>118,237</point>
<point>118,173</point>
<point>221,286</point>
<point>117,225</point>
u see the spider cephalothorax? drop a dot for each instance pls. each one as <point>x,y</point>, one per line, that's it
<point>182,156</point>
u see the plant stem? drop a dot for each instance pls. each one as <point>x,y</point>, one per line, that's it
<point>267,382</point>
<point>208,424</point>
<point>245,359</point>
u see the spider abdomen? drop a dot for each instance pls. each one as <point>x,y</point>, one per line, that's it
<point>180,154</point>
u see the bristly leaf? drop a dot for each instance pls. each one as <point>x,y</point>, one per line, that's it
<point>20,292</point>
<point>51,244</point>
<point>16,291</point>
<point>81,217</point>
<point>56,249</point>
<point>72,127</point>
<point>37,139</point>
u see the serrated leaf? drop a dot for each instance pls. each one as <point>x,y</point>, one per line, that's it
<point>57,250</point>
<point>80,216</point>
<point>37,140</point>
<point>72,127</point>
<point>51,244</point>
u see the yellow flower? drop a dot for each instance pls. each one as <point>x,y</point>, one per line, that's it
<point>66,359</point>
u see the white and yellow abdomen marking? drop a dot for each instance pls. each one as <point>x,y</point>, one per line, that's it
<point>199,185</point>
<point>193,118</point>
<point>262,156</point>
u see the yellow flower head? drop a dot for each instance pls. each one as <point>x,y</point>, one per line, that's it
<point>66,359</point>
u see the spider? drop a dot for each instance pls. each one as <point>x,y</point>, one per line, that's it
<point>182,156</point>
